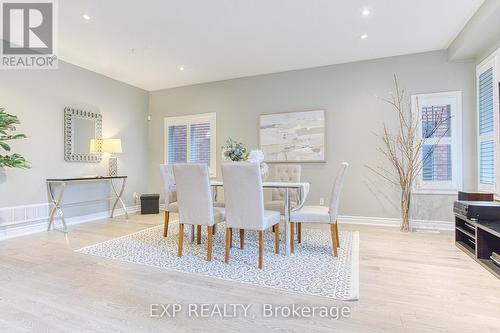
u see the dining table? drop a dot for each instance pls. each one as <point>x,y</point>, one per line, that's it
<point>301,187</point>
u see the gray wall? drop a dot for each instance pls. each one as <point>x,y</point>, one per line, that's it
<point>38,98</point>
<point>486,53</point>
<point>354,114</point>
<point>479,35</point>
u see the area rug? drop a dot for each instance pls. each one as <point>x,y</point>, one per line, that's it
<point>311,270</point>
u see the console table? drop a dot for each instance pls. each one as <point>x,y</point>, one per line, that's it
<point>57,199</point>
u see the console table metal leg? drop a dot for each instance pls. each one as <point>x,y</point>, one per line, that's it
<point>56,206</point>
<point>119,197</point>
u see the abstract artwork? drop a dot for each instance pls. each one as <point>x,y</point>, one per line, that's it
<point>293,136</point>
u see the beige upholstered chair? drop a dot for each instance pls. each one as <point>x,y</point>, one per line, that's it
<point>322,214</point>
<point>194,198</point>
<point>170,194</point>
<point>245,205</point>
<point>284,173</point>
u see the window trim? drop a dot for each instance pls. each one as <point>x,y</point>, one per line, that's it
<point>490,62</point>
<point>444,187</point>
<point>188,120</point>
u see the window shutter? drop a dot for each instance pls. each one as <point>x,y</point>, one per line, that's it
<point>191,139</point>
<point>437,163</point>
<point>486,124</point>
<point>487,162</point>
<point>200,143</point>
<point>486,115</point>
<point>177,144</point>
<point>440,120</point>
<point>436,124</point>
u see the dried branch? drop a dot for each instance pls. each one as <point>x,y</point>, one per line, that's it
<point>403,150</point>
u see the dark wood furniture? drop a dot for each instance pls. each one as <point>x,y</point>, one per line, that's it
<point>470,196</point>
<point>479,239</point>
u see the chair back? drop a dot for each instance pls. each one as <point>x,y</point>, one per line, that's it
<point>243,195</point>
<point>337,187</point>
<point>169,191</point>
<point>194,196</point>
<point>289,173</point>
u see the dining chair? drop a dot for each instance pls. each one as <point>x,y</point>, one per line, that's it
<point>283,173</point>
<point>245,205</point>
<point>170,194</point>
<point>194,198</point>
<point>322,214</point>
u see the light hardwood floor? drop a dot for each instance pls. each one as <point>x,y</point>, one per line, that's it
<point>418,282</point>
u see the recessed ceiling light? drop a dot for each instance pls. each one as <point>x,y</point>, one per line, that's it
<point>364,36</point>
<point>181,68</point>
<point>365,12</point>
<point>86,17</point>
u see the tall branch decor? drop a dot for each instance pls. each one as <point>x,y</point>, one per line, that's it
<point>8,124</point>
<point>403,148</point>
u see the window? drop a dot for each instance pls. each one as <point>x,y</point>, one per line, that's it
<point>487,122</point>
<point>191,139</point>
<point>440,116</point>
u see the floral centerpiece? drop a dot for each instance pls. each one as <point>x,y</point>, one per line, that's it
<point>237,152</point>
<point>234,151</point>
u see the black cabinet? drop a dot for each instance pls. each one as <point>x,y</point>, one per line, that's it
<point>150,204</point>
<point>480,240</point>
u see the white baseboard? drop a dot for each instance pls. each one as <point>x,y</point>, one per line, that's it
<point>389,222</point>
<point>394,222</point>
<point>24,220</point>
<point>39,224</point>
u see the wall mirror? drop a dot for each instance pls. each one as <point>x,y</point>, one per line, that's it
<point>81,128</point>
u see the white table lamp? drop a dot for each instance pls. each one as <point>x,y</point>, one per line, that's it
<point>110,146</point>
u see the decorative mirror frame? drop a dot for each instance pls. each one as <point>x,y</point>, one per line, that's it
<point>69,117</point>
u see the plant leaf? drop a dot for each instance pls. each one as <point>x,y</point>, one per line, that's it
<point>5,146</point>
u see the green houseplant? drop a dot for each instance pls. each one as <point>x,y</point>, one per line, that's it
<point>7,127</point>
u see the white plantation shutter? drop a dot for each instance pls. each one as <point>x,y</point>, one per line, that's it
<point>486,129</point>
<point>191,139</point>
<point>487,124</point>
<point>440,128</point>
<point>177,144</point>
<point>436,153</point>
<point>200,143</point>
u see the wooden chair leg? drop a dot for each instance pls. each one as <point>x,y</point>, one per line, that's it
<point>292,237</point>
<point>214,229</point>
<point>228,239</point>
<point>261,247</point>
<point>165,228</point>
<point>210,236</point>
<point>198,234</point>
<point>181,239</point>
<point>334,240</point>
<point>277,239</point>
<point>337,234</point>
<point>299,232</point>
<point>242,238</point>
<point>274,230</point>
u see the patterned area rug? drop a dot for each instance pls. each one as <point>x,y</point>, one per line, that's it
<point>312,270</point>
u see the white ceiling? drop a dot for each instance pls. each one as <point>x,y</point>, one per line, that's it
<point>144,43</point>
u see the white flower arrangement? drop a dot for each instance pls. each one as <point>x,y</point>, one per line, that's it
<point>257,156</point>
<point>236,151</point>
